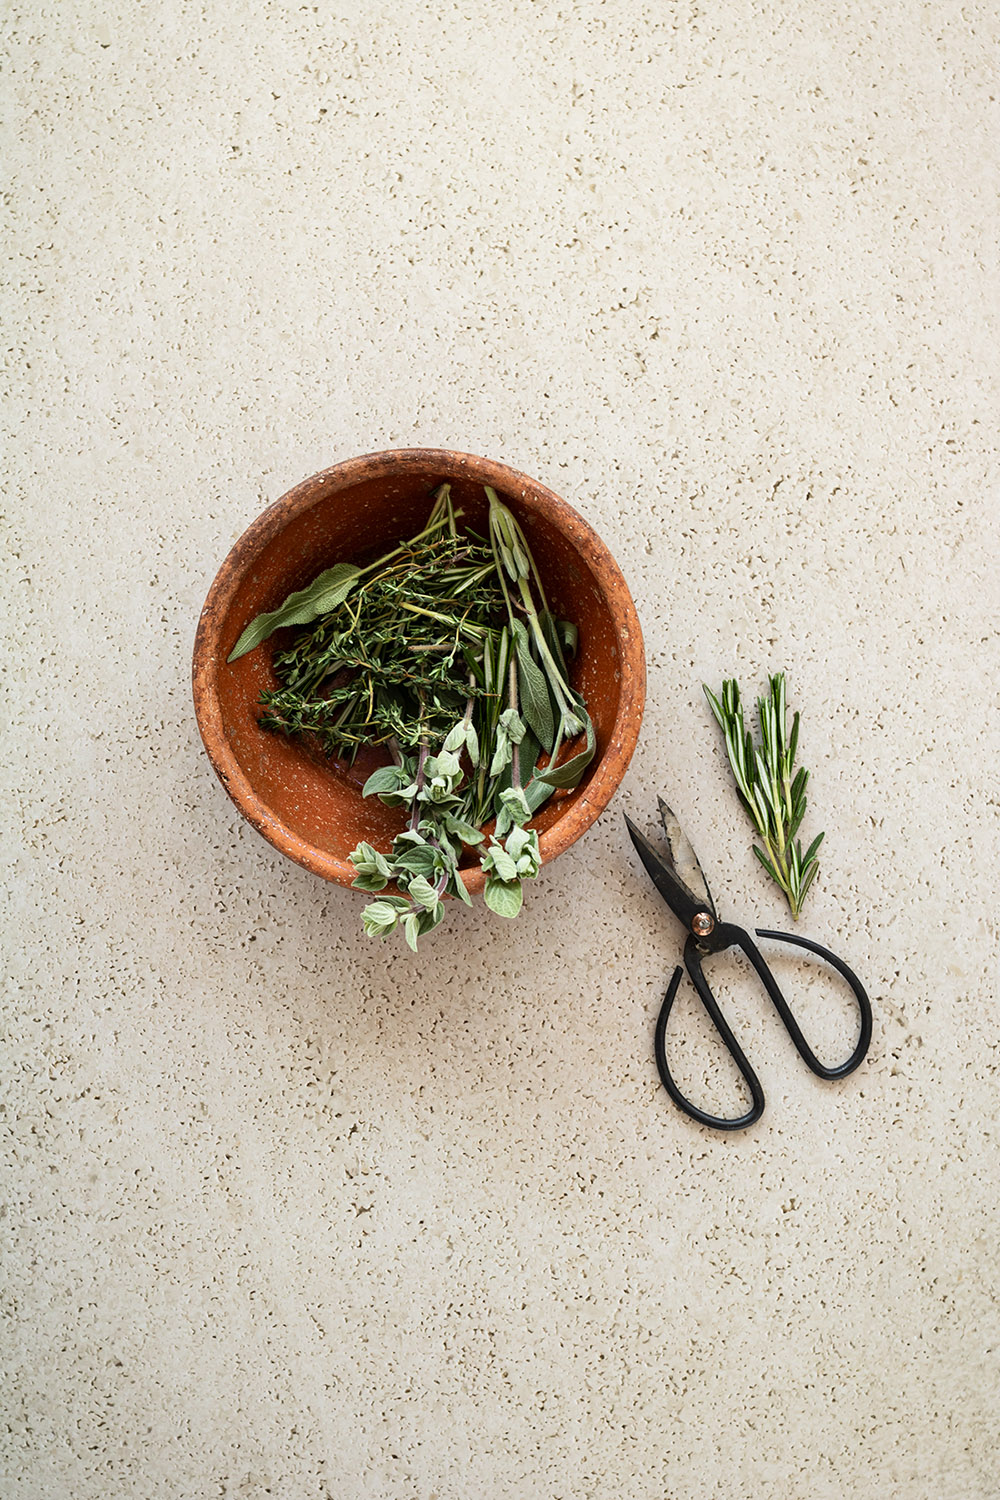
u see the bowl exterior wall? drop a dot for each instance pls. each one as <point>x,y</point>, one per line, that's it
<point>310,807</point>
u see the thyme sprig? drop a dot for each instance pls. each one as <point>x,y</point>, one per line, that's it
<point>773,799</point>
<point>445,652</point>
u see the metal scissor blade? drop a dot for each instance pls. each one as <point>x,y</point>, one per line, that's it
<point>683,902</point>
<point>685,862</point>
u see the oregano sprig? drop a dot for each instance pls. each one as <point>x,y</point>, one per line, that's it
<point>773,797</point>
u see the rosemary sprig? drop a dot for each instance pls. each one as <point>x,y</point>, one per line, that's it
<point>445,652</point>
<point>773,799</point>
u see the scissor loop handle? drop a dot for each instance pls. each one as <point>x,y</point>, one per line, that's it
<point>791,1025</point>
<point>727,935</point>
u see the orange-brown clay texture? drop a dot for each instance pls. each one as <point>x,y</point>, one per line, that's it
<point>311,808</point>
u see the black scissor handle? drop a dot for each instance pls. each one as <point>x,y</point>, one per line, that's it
<point>726,936</point>
<point>791,1025</point>
<point>692,962</point>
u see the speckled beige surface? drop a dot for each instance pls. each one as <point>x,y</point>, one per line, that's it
<point>290,1215</point>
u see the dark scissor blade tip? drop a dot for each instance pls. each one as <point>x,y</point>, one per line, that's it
<point>642,844</point>
<point>681,901</point>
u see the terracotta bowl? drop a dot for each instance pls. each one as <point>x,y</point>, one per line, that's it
<point>311,808</point>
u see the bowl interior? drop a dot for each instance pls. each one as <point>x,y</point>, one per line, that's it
<point>312,806</point>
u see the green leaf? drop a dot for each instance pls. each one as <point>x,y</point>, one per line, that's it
<point>380,917</point>
<point>324,594</point>
<point>475,663</point>
<point>810,876</point>
<point>446,764</point>
<point>455,738</point>
<point>461,829</point>
<point>503,897</point>
<point>458,888</point>
<point>513,809</point>
<point>536,704</point>
<point>501,661</point>
<point>500,862</point>
<point>810,853</point>
<point>431,919</point>
<point>411,836</point>
<point>767,864</point>
<point>569,774</point>
<point>522,846</point>
<point>517,840</point>
<point>364,857</point>
<point>502,755</point>
<point>417,861</point>
<point>528,755</point>
<point>772,794</point>
<point>411,929</point>
<point>715,706</point>
<point>537,793</point>
<point>567,635</point>
<point>422,891</point>
<point>512,725</point>
<point>385,779</point>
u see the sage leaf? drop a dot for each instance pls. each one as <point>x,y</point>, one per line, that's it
<point>536,704</point>
<point>324,594</point>
<point>537,793</point>
<point>569,774</point>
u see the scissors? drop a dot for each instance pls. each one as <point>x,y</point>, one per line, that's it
<point>679,879</point>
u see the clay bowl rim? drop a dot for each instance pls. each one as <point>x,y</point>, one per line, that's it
<point>209,660</point>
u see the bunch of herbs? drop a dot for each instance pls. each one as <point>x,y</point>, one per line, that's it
<point>445,652</point>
